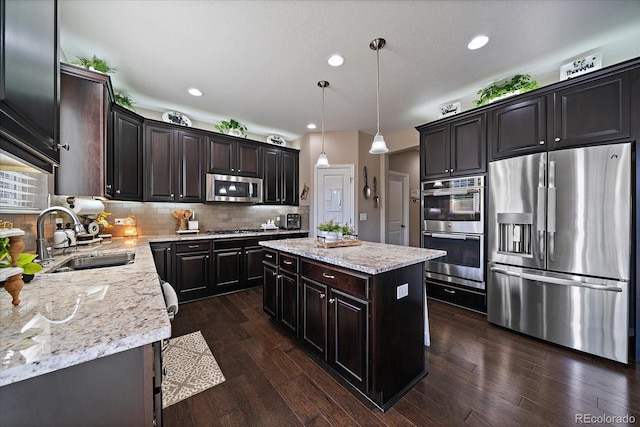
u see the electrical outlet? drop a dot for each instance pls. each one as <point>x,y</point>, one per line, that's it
<point>277,218</point>
<point>119,221</point>
<point>402,291</point>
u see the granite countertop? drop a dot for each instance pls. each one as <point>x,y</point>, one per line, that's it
<point>369,257</point>
<point>68,318</point>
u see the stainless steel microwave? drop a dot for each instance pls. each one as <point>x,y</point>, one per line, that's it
<point>230,188</point>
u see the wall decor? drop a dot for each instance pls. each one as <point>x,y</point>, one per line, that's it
<point>449,109</point>
<point>581,66</point>
<point>276,140</point>
<point>176,118</point>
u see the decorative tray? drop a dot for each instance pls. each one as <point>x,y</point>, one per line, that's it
<point>320,241</point>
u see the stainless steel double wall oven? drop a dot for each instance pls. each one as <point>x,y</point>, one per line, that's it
<point>453,220</point>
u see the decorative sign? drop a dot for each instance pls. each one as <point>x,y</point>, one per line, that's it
<point>581,66</point>
<point>277,140</point>
<point>449,109</point>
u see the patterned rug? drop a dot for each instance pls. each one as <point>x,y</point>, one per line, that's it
<point>190,368</point>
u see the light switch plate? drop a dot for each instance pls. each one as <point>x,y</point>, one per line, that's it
<point>363,216</point>
<point>402,291</point>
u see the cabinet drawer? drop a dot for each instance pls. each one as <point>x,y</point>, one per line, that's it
<point>349,282</point>
<point>288,263</point>
<point>466,298</point>
<point>193,246</point>
<point>270,256</point>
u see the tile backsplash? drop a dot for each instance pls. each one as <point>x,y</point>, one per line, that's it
<point>153,219</point>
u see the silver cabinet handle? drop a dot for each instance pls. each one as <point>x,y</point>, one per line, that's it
<point>117,191</point>
<point>239,253</point>
<point>207,257</point>
<point>193,246</point>
<point>63,147</point>
<point>288,262</point>
<point>268,256</point>
<point>109,186</point>
<point>171,194</point>
<point>168,249</point>
<point>541,142</point>
<point>274,273</point>
<point>322,296</point>
<point>279,276</point>
<point>557,139</point>
<point>328,276</point>
<point>332,300</point>
<point>449,291</point>
<point>446,170</point>
<point>451,170</point>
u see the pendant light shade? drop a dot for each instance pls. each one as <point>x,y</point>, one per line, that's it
<point>378,146</point>
<point>323,161</point>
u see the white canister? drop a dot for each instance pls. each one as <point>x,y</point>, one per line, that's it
<point>71,235</point>
<point>60,239</point>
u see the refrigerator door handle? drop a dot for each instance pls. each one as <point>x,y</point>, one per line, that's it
<point>503,271</point>
<point>551,219</point>
<point>568,282</point>
<point>541,211</point>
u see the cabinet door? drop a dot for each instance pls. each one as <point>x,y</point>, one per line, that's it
<point>252,266</point>
<point>227,269</point>
<point>272,175</point>
<point>125,156</point>
<point>434,148</point>
<point>314,315</point>
<point>222,156</point>
<point>348,338</point>
<point>163,259</point>
<point>289,190</point>
<point>83,129</point>
<point>191,148</point>
<point>468,146</point>
<point>29,76</point>
<point>269,292</point>
<point>248,161</point>
<point>592,112</point>
<point>288,301</point>
<point>192,275</point>
<point>518,128</point>
<point>159,166</point>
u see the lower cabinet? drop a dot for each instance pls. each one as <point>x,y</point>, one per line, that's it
<point>193,270</point>
<point>237,264</point>
<point>379,352</point>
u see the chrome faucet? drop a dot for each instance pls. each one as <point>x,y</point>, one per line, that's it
<point>41,243</point>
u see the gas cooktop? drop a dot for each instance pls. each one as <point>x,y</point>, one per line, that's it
<point>238,231</point>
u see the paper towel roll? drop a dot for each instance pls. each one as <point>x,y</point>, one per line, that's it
<point>87,206</point>
<point>170,298</point>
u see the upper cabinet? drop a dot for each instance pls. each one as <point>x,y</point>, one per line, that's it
<point>229,156</point>
<point>518,128</point>
<point>280,179</point>
<point>29,78</point>
<point>173,165</point>
<point>592,112</point>
<point>84,117</point>
<point>124,156</point>
<point>455,148</point>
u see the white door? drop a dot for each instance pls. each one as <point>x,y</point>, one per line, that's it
<point>334,195</point>
<point>398,209</point>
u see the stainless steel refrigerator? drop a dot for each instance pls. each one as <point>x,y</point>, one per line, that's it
<point>559,243</point>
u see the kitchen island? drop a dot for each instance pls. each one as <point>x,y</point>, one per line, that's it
<point>359,310</point>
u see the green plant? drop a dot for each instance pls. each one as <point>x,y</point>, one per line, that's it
<point>123,99</point>
<point>521,82</point>
<point>24,260</point>
<point>329,226</point>
<point>95,63</point>
<point>347,230</point>
<point>224,127</point>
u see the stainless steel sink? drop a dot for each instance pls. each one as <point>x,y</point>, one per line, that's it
<point>95,261</point>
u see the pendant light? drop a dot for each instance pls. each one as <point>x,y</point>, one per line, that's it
<point>322,162</point>
<point>378,146</point>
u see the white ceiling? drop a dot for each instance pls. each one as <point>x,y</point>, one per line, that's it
<point>259,61</point>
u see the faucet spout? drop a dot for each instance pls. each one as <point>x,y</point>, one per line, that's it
<point>41,244</point>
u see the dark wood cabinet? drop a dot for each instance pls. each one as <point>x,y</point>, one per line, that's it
<point>193,270</point>
<point>288,307</point>
<point>232,157</point>
<point>227,269</point>
<point>124,156</point>
<point>85,112</point>
<point>163,259</point>
<point>29,81</point>
<point>455,148</point>
<point>518,128</point>
<point>173,166</point>
<point>314,316</point>
<point>280,176</point>
<point>238,264</point>
<point>592,112</point>
<point>269,293</point>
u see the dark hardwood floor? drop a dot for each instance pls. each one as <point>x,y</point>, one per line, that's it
<point>479,374</point>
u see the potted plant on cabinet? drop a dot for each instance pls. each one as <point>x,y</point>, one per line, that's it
<point>519,83</point>
<point>94,64</point>
<point>232,127</point>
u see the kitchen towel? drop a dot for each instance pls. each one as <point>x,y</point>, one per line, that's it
<point>170,298</point>
<point>87,206</point>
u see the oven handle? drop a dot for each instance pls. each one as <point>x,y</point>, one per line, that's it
<point>452,236</point>
<point>450,192</point>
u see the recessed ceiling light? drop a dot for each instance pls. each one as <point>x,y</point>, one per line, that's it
<point>477,42</point>
<point>335,60</point>
<point>195,92</point>
<point>311,126</point>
